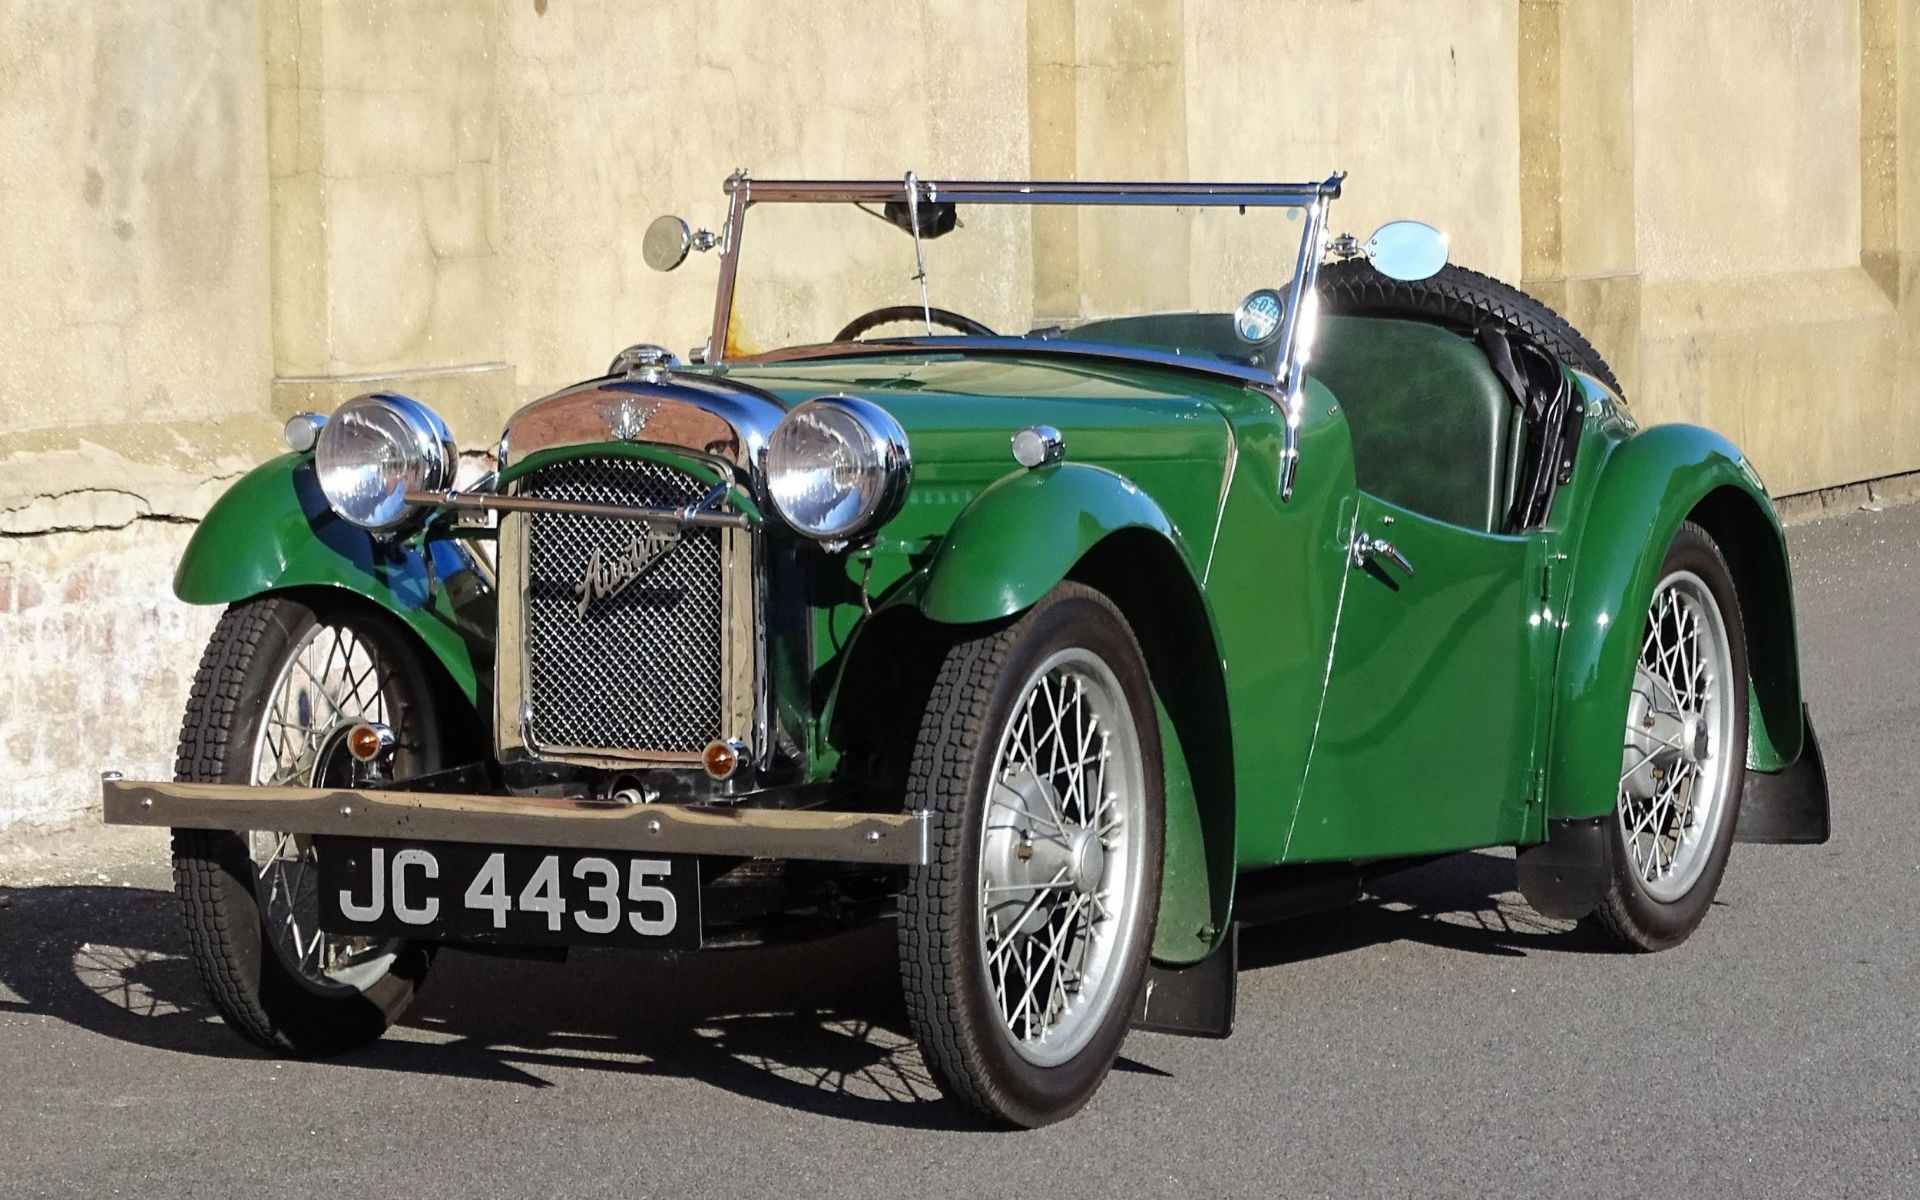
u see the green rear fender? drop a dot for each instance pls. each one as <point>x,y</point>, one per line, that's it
<point>1649,485</point>
<point>272,531</point>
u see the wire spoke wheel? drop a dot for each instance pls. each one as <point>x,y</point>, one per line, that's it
<point>1673,778</point>
<point>1058,884</point>
<point>1683,752</point>
<point>1024,938</point>
<point>331,681</point>
<point>283,681</point>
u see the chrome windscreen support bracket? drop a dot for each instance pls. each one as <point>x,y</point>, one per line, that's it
<point>1298,324</point>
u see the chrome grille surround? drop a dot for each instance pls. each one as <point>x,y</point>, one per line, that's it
<point>714,429</point>
<point>649,675</point>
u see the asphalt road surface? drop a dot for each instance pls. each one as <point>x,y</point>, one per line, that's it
<point>1440,1039</point>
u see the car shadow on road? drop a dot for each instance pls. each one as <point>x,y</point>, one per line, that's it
<point>817,1026</point>
<point>1464,902</point>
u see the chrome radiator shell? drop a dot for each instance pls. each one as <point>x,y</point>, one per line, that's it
<point>660,697</point>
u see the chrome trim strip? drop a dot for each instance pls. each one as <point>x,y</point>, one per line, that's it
<point>887,839</point>
<point>877,191</point>
<point>1220,509</point>
<point>693,515</point>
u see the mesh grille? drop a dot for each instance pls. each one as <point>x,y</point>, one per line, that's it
<point>640,669</point>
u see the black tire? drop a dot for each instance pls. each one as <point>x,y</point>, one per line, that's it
<point>1462,298</point>
<point>252,985</point>
<point>1630,917</point>
<point>967,1044</point>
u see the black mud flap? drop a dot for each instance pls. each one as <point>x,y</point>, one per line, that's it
<point>1195,1001</point>
<point>1789,806</point>
<point>1568,874</point>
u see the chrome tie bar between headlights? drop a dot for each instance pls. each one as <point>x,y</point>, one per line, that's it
<point>700,515</point>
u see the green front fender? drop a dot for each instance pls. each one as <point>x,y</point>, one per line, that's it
<point>273,531</point>
<point>1019,538</point>
<point>1648,486</point>
<point>1023,533</point>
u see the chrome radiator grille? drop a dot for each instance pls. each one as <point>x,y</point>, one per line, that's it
<point>638,670</point>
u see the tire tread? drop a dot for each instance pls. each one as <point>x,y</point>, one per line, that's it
<point>943,753</point>
<point>213,872</point>
<point>205,742</point>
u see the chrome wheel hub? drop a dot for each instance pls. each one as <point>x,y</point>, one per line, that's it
<point>1087,864</point>
<point>1674,779</point>
<point>1059,867</point>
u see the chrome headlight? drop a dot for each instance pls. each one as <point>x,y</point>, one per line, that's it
<point>837,467</point>
<point>374,450</point>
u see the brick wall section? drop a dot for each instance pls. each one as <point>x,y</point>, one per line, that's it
<point>95,659</point>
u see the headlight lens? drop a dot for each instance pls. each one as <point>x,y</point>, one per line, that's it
<point>374,450</point>
<point>837,467</point>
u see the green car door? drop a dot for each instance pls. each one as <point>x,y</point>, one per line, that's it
<point>1427,731</point>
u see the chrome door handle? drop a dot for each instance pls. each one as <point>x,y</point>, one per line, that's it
<point>1367,547</point>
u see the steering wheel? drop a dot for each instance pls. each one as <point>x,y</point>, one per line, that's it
<point>911,312</point>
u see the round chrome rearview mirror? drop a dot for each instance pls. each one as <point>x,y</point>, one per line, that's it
<point>1407,250</point>
<point>667,242</point>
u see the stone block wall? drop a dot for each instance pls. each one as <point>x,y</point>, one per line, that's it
<point>215,213</point>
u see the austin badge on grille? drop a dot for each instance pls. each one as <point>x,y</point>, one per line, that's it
<point>627,420</point>
<point>610,574</point>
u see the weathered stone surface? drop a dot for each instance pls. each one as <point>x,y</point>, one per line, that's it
<point>218,214</point>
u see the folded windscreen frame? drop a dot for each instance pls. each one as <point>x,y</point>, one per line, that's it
<point>935,209</point>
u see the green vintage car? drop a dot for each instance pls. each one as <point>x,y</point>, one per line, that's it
<point>1186,567</point>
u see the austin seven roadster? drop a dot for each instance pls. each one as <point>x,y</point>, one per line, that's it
<point>1065,572</point>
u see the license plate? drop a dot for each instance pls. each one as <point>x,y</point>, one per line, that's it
<point>517,896</point>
